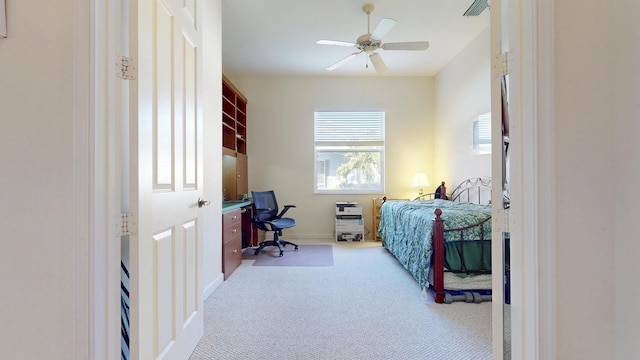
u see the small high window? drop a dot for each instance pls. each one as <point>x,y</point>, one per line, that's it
<point>481,143</point>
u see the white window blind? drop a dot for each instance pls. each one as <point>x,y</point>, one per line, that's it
<point>349,126</point>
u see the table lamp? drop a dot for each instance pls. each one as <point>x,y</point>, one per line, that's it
<point>420,181</point>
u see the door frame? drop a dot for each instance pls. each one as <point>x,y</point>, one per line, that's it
<point>104,174</point>
<point>531,23</point>
<point>531,33</point>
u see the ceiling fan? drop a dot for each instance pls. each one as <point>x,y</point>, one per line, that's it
<point>372,41</point>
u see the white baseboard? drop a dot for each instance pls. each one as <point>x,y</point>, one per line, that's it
<point>308,237</point>
<point>209,289</point>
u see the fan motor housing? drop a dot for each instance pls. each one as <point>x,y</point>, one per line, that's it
<point>366,44</point>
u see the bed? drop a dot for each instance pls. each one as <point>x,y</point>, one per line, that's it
<point>444,244</point>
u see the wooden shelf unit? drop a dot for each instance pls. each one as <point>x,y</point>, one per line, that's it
<point>377,203</point>
<point>375,219</point>
<point>234,118</point>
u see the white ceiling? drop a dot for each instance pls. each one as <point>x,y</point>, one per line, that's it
<point>278,37</point>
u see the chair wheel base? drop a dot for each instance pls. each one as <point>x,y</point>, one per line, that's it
<point>281,244</point>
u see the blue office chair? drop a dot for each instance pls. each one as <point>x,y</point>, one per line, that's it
<point>267,218</point>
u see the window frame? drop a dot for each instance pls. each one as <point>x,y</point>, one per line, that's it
<point>325,146</point>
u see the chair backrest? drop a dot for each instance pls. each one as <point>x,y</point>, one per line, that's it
<point>265,205</point>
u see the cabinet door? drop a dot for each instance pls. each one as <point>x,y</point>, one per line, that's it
<point>242,183</point>
<point>229,177</point>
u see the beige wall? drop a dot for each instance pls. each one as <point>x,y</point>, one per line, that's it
<point>597,88</point>
<point>584,242</point>
<point>39,253</point>
<point>462,92</point>
<point>280,133</point>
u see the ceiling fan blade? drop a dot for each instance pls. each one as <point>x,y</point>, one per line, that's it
<point>384,26</point>
<point>476,8</point>
<point>335,42</point>
<point>377,62</point>
<point>342,61</point>
<point>415,45</point>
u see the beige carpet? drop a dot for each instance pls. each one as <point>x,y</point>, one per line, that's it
<point>366,306</point>
<point>306,255</point>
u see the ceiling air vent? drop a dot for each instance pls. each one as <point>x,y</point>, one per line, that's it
<point>476,8</point>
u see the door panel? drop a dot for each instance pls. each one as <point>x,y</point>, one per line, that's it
<point>165,99</point>
<point>163,287</point>
<point>190,91</point>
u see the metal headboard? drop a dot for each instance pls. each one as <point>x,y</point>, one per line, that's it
<point>475,190</point>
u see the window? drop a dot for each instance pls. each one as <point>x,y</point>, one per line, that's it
<point>482,134</point>
<point>349,152</point>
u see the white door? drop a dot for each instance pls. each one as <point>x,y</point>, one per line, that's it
<point>166,173</point>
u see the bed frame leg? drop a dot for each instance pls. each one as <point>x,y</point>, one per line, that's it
<point>438,257</point>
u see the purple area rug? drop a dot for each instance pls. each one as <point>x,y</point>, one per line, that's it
<point>307,255</point>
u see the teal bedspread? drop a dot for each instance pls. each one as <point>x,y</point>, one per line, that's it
<point>406,230</point>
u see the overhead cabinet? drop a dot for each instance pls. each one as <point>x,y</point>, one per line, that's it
<point>234,118</point>
<point>234,142</point>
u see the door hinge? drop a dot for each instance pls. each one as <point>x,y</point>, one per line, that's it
<point>127,224</point>
<point>501,64</point>
<point>500,220</point>
<point>127,69</point>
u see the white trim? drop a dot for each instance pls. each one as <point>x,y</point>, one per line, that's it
<point>213,286</point>
<point>523,204</point>
<point>497,288</point>
<point>532,149</point>
<point>105,183</point>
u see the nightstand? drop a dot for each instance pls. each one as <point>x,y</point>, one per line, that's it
<point>375,220</point>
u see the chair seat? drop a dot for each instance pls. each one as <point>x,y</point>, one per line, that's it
<point>284,223</point>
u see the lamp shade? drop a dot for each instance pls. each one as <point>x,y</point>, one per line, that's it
<point>420,180</point>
